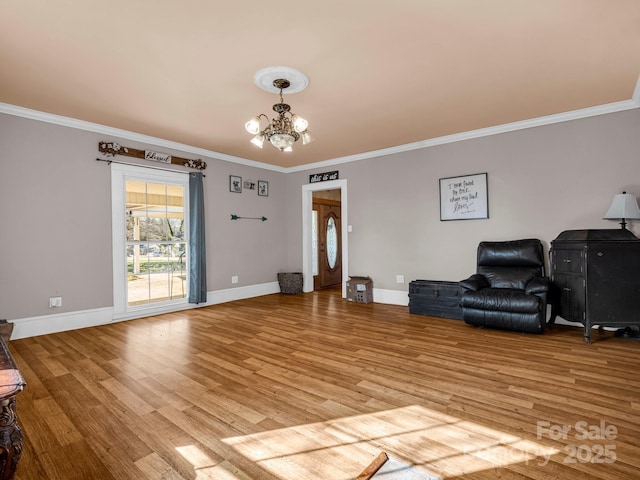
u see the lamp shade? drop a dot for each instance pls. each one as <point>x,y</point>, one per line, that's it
<point>624,206</point>
<point>258,140</point>
<point>253,126</point>
<point>299,123</point>
<point>306,137</point>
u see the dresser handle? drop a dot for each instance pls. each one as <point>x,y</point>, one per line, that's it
<point>566,261</point>
<point>566,289</point>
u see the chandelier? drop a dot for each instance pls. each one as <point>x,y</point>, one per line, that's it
<point>282,131</point>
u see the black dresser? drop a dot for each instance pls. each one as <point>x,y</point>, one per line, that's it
<point>435,298</point>
<point>597,278</point>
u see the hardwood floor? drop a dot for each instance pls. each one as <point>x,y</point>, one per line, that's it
<point>311,386</point>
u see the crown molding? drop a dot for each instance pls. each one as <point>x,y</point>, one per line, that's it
<point>636,94</point>
<point>614,107</point>
<point>127,135</point>
<point>483,132</point>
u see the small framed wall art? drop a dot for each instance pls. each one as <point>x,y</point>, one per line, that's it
<point>235,184</point>
<point>464,198</point>
<point>263,188</point>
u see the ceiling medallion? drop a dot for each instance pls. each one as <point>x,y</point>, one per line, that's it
<point>287,128</point>
<point>265,77</point>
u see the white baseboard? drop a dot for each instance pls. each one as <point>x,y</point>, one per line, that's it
<point>240,293</point>
<point>61,322</point>
<point>562,321</point>
<point>391,297</point>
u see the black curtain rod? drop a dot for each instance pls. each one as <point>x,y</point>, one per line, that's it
<point>153,167</point>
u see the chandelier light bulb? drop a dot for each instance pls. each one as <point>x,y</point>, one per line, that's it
<point>253,126</point>
<point>299,123</point>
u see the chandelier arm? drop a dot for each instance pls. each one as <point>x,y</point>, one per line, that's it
<point>259,116</point>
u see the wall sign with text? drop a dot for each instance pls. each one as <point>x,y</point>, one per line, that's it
<point>464,198</point>
<point>323,177</point>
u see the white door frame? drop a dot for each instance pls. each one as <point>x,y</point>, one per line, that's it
<point>307,229</point>
<point>119,174</point>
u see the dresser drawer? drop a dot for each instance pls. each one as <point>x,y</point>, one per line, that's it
<point>568,261</point>
<point>435,298</point>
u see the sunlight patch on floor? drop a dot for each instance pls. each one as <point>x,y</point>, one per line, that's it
<point>439,444</point>
<point>206,468</point>
<point>195,456</point>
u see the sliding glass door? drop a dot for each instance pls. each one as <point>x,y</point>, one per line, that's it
<point>155,242</point>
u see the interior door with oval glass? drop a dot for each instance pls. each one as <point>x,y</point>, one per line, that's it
<point>329,230</point>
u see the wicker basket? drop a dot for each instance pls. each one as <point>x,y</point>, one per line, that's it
<point>290,282</point>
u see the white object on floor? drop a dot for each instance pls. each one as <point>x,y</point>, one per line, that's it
<point>394,469</point>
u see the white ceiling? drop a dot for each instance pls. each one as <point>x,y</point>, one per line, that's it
<point>382,74</point>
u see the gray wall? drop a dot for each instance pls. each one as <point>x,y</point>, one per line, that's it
<point>55,211</point>
<point>541,181</point>
<point>56,214</point>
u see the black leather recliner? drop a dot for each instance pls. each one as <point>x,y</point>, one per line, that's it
<point>509,290</point>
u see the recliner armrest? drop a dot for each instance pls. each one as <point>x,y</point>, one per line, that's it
<point>474,283</point>
<point>538,285</point>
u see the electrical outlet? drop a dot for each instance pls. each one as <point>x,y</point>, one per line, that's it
<point>399,278</point>
<point>234,279</point>
<point>55,302</point>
